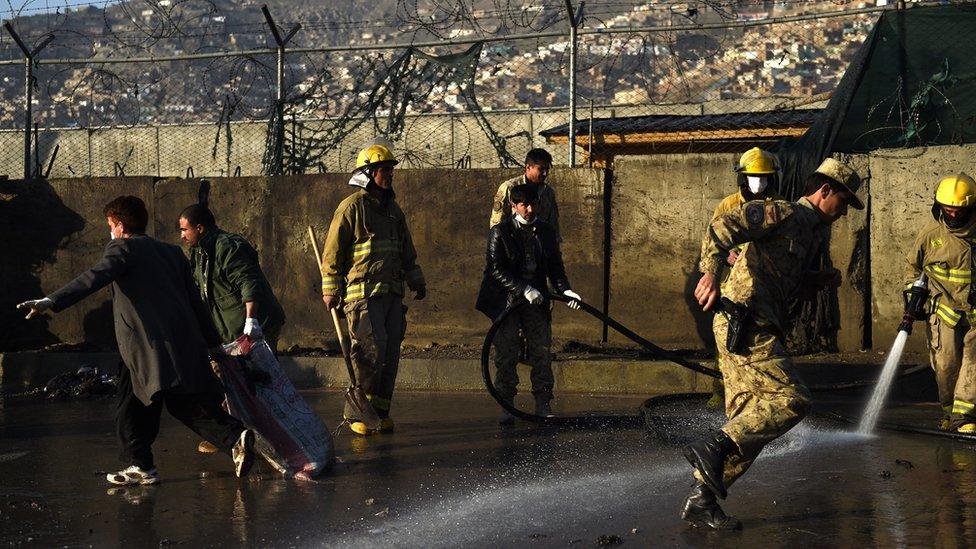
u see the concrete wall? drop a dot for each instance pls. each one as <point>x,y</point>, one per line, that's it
<point>659,209</point>
<point>447,211</point>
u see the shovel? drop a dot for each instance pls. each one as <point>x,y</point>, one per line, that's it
<point>356,401</point>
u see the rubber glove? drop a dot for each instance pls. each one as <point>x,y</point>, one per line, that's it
<point>532,295</point>
<point>37,307</point>
<point>252,329</point>
<point>575,297</point>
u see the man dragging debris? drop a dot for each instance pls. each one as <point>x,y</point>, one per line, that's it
<point>163,331</point>
<point>763,400</point>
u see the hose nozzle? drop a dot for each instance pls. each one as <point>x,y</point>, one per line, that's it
<point>915,297</point>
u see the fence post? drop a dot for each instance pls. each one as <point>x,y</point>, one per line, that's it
<point>575,17</point>
<point>28,89</point>
<point>279,129</point>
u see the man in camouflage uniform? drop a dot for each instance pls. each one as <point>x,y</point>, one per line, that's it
<point>756,179</point>
<point>538,163</point>
<point>944,252</point>
<point>763,399</point>
<point>369,256</point>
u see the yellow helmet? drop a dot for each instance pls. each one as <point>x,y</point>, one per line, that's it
<point>956,190</point>
<point>756,161</point>
<point>373,155</point>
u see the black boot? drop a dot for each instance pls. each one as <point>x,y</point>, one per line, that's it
<point>708,457</point>
<point>506,418</point>
<point>701,509</point>
<point>542,405</point>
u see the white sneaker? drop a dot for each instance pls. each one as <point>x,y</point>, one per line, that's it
<point>133,475</point>
<point>243,453</point>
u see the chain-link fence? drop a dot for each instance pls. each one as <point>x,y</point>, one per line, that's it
<point>113,95</point>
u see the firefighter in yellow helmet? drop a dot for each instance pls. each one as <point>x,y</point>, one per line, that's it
<point>756,178</point>
<point>369,257</point>
<point>944,252</point>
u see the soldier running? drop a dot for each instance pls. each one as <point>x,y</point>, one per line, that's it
<point>763,399</point>
<point>756,178</point>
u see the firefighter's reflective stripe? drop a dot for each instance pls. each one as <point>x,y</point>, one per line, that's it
<point>376,247</point>
<point>958,276</point>
<point>947,314</point>
<point>963,408</point>
<point>332,285</point>
<point>362,290</point>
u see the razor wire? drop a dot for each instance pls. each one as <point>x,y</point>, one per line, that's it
<point>479,99</point>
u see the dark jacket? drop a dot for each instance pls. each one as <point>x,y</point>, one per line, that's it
<point>225,267</point>
<point>162,327</point>
<point>503,283</point>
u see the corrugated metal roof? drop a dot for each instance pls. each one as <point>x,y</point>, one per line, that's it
<point>686,123</point>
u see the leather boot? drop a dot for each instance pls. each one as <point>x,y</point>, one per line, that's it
<point>507,418</point>
<point>701,509</point>
<point>708,457</point>
<point>542,407</point>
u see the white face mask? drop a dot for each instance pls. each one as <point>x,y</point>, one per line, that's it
<point>359,179</point>
<point>522,220</point>
<point>757,183</point>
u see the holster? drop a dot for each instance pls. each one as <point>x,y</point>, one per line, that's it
<point>738,317</point>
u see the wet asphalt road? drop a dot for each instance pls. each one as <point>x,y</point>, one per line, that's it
<point>450,477</point>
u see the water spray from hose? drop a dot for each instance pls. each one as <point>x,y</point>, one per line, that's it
<point>915,298</point>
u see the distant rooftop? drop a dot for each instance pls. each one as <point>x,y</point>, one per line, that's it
<point>659,123</point>
<point>666,133</point>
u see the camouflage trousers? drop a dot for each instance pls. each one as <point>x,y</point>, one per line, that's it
<point>763,399</point>
<point>952,350</point>
<point>535,323</point>
<point>376,327</point>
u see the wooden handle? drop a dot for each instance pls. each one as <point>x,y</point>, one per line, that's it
<point>344,344</point>
<point>315,246</point>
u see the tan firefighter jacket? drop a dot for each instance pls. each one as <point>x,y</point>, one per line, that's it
<point>946,256</point>
<point>368,250</point>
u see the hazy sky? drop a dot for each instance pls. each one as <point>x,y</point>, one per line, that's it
<point>33,7</point>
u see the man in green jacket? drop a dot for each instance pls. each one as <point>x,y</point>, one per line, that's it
<point>225,267</point>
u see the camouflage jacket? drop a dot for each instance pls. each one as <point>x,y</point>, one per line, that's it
<point>548,210</point>
<point>946,256</point>
<point>732,202</point>
<point>785,238</point>
<point>369,250</point>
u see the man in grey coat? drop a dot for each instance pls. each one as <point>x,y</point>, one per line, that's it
<point>163,331</point>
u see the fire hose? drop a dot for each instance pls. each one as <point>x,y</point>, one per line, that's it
<point>605,420</point>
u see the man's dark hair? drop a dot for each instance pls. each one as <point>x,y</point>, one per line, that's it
<point>130,211</point>
<point>537,156</point>
<point>199,214</point>
<point>816,180</point>
<point>524,194</point>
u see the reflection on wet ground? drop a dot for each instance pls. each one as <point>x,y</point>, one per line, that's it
<point>449,476</point>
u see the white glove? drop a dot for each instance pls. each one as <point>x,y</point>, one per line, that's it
<point>575,297</point>
<point>533,295</point>
<point>252,329</point>
<point>36,306</point>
